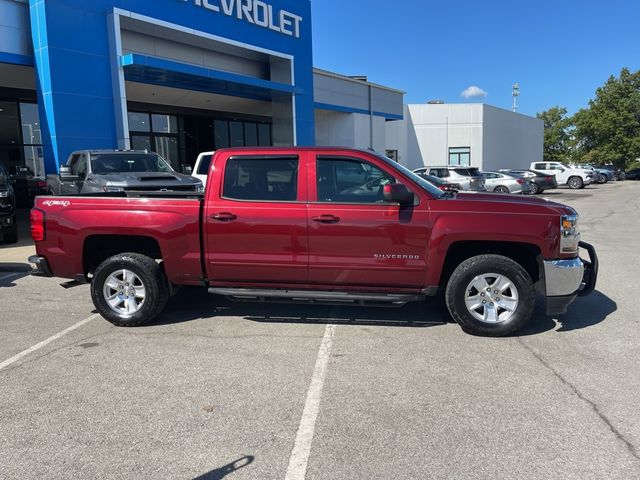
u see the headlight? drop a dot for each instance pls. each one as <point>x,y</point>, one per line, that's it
<point>110,189</point>
<point>569,234</point>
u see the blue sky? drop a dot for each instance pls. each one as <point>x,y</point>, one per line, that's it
<point>559,51</point>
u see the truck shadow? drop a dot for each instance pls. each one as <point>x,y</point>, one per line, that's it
<point>203,305</point>
<point>195,303</point>
<point>585,312</point>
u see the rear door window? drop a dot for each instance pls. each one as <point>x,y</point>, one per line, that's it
<point>273,179</point>
<point>540,166</point>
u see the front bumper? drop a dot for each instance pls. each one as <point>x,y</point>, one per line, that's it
<point>567,279</point>
<point>41,267</point>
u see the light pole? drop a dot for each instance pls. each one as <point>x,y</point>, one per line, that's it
<point>515,93</point>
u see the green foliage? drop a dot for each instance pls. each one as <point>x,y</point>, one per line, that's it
<point>609,130</point>
<point>557,134</point>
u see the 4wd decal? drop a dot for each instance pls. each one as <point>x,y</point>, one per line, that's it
<point>56,203</point>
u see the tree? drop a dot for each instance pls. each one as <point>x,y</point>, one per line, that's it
<point>609,130</point>
<point>557,134</point>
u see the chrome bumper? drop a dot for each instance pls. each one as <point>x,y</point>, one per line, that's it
<point>567,279</point>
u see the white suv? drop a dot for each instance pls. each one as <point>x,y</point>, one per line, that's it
<point>572,177</point>
<point>201,168</point>
<point>468,178</point>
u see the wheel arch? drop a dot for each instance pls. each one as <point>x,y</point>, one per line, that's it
<point>97,248</point>
<point>529,256</point>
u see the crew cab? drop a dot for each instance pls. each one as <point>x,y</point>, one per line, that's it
<point>574,178</point>
<point>320,225</point>
<point>110,171</point>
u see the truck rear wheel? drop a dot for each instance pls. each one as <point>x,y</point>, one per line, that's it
<point>129,289</point>
<point>490,295</point>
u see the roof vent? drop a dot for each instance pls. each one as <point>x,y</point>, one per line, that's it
<point>360,78</point>
<point>435,102</point>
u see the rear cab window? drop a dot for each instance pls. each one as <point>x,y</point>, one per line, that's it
<point>264,179</point>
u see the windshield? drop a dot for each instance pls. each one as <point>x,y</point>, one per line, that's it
<point>105,163</point>
<point>428,187</point>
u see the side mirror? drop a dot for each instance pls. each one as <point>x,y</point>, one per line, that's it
<point>187,170</point>
<point>65,173</point>
<point>398,193</point>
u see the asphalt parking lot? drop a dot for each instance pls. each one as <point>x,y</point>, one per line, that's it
<point>218,390</point>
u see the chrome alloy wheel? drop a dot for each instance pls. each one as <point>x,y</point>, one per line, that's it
<point>124,292</point>
<point>491,298</point>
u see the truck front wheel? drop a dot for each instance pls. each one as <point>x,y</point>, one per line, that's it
<point>490,295</point>
<point>129,289</point>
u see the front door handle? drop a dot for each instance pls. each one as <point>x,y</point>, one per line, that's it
<point>224,217</point>
<point>326,219</point>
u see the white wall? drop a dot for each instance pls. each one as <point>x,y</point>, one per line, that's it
<point>498,138</point>
<point>337,129</point>
<point>15,29</point>
<point>511,140</point>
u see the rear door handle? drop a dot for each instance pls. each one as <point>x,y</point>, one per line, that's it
<point>224,217</point>
<point>326,219</point>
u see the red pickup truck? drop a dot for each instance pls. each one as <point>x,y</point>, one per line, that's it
<point>321,225</point>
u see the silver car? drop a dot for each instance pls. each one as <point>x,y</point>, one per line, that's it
<point>501,182</point>
<point>468,178</point>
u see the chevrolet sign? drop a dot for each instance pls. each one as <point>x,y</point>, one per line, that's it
<point>255,12</point>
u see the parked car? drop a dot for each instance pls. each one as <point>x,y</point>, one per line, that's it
<point>633,174</point>
<point>597,175</point>
<point>27,186</point>
<point>574,178</point>
<point>501,182</point>
<point>440,183</point>
<point>201,168</point>
<point>99,171</point>
<point>538,182</point>
<point>614,173</point>
<point>290,224</point>
<point>468,178</point>
<point>8,225</point>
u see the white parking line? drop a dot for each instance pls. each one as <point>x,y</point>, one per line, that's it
<point>46,342</point>
<point>297,469</point>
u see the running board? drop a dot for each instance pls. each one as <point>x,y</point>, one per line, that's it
<point>311,296</point>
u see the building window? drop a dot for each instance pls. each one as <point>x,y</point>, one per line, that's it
<point>20,137</point>
<point>392,154</point>
<point>156,132</point>
<point>460,156</point>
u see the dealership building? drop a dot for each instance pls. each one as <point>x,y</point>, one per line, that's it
<point>174,76</point>
<point>465,134</point>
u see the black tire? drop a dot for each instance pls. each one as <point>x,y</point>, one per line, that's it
<point>11,236</point>
<point>535,189</point>
<point>575,183</point>
<point>473,267</point>
<point>501,189</point>
<point>152,278</point>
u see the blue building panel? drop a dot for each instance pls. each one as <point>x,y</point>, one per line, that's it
<point>73,60</point>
